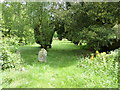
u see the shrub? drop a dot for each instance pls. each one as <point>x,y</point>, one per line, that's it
<point>98,36</point>
<point>9,58</point>
<point>102,63</point>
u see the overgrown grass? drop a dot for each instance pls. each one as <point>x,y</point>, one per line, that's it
<point>68,66</point>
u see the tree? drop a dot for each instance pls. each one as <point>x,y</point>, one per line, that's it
<point>15,21</point>
<point>86,22</point>
<point>41,20</point>
<point>92,23</point>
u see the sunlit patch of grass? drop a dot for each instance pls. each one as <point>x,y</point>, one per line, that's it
<point>67,67</point>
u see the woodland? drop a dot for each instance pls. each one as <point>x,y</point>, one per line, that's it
<point>82,40</point>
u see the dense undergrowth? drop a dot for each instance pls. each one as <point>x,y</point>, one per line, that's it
<point>10,56</point>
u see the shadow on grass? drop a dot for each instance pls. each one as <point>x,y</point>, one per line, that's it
<point>58,57</point>
<point>64,58</point>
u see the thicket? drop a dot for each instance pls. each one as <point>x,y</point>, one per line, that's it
<point>10,57</point>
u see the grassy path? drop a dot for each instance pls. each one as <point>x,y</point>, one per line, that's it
<point>60,71</point>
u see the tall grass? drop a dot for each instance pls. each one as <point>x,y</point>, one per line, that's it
<point>68,66</point>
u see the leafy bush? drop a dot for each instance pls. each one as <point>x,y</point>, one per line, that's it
<point>55,35</point>
<point>98,36</point>
<point>8,57</point>
<point>116,28</point>
<point>102,63</point>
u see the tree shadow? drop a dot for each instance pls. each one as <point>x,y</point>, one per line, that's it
<point>29,54</point>
<point>56,58</point>
<point>64,58</point>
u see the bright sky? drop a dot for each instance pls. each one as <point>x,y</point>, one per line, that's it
<point>1,1</point>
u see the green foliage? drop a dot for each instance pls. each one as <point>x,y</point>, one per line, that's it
<point>90,23</point>
<point>9,58</point>
<point>102,63</point>
<point>116,29</point>
<point>59,28</point>
<point>43,29</point>
<point>15,22</point>
<point>31,20</point>
<point>81,20</point>
<point>98,35</point>
<point>55,35</point>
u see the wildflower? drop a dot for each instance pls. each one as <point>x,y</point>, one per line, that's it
<point>92,56</point>
<point>97,53</point>
<point>104,52</point>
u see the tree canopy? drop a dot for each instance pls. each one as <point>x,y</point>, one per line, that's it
<point>84,22</point>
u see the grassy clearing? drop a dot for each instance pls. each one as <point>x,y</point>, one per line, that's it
<point>66,68</point>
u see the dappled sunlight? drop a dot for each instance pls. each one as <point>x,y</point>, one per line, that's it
<point>81,40</point>
<point>68,66</point>
<point>62,54</point>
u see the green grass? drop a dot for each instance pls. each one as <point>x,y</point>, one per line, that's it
<point>63,69</point>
